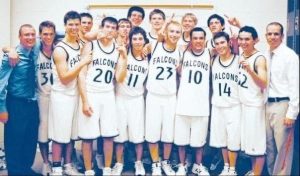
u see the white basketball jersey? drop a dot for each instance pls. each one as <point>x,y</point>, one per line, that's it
<point>193,93</point>
<point>162,70</point>
<point>182,41</point>
<point>249,92</point>
<point>137,71</point>
<point>44,74</point>
<point>225,82</point>
<point>73,58</point>
<point>151,38</point>
<point>210,44</point>
<point>101,70</point>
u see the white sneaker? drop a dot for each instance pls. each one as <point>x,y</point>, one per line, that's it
<point>46,169</point>
<point>57,171</point>
<point>106,171</point>
<point>69,169</point>
<point>225,171</point>
<point>166,166</point>
<point>250,172</point>
<point>181,170</point>
<point>100,161</point>
<point>156,168</point>
<point>232,172</point>
<point>199,169</point>
<point>139,168</point>
<point>117,169</point>
<point>89,173</point>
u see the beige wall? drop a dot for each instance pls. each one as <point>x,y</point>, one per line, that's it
<point>257,13</point>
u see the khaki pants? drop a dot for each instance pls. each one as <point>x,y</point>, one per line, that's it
<point>280,140</point>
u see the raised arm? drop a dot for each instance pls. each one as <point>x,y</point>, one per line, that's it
<point>121,70</point>
<point>260,75</point>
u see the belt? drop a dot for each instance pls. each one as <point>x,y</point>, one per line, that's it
<point>277,99</point>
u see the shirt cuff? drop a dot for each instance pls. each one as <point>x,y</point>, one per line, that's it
<point>291,115</point>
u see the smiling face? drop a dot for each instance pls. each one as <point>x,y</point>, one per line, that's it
<point>138,42</point>
<point>173,33</point>
<point>222,46</point>
<point>136,18</point>
<point>198,40</point>
<point>27,37</point>
<point>246,41</point>
<point>188,23</point>
<point>274,36</point>
<point>157,21</point>
<point>72,27</point>
<point>47,36</point>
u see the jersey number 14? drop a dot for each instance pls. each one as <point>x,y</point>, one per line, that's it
<point>224,90</point>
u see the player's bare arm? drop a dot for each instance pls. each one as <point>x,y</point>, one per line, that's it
<point>121,70</point>
<point>64,74</point>
<point>86,108</point>
<point>259,77</point>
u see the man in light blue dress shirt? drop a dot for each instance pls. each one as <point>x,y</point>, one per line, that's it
<point>18,105</point>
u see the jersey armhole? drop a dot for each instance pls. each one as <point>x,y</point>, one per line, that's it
<point>254,64</point>
<point>67,59</point>
<point>154,48</point>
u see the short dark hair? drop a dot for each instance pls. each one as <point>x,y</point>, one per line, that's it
<point>136,8</point>
<point>197,29</point>
<point>109,19</point>
<point>124,20</point>
<point>85,14</point>
<point>23,26</point>
<point>157,11</point>
<point>277,24</point>
<point>251,30</point>
<point>221,34</point>
<point>48,24</point>
<point>221,19</point>
<point>71,15</point>
<point>137,30</point>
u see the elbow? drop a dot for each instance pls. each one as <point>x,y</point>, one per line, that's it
<point>65,81</point>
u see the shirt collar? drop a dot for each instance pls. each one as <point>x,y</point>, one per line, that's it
<point>277,50</point>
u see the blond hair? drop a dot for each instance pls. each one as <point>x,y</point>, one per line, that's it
<point>193,16</point>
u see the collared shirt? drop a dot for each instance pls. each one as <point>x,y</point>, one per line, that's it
<point>18,81</point>
<point>284,77</point>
